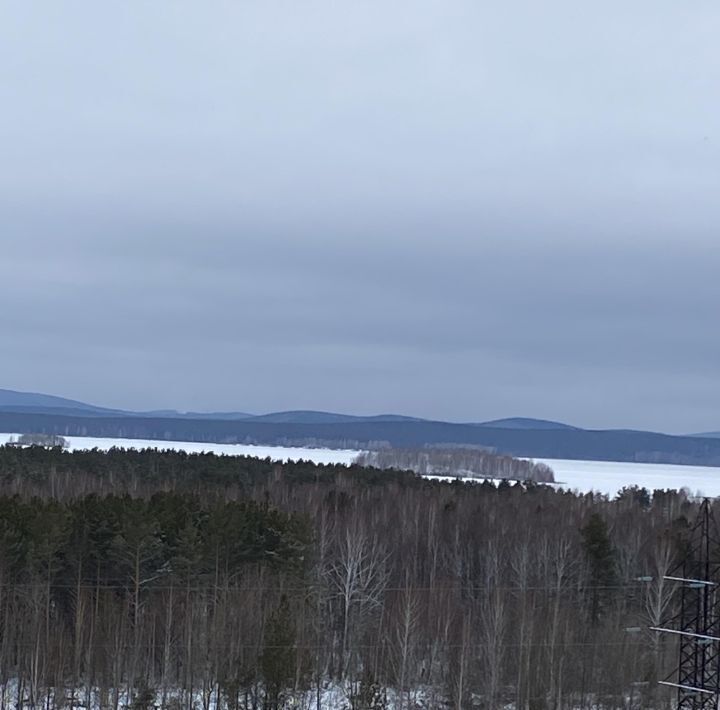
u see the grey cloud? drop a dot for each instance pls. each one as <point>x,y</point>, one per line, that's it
<point>459,210</point>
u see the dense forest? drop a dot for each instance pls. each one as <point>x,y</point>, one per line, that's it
<point>162,579</point>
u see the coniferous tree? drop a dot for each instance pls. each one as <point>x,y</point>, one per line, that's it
<point>602,566</point>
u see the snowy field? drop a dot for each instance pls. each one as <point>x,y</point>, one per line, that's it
<point>276,453</point>
<point>607,477</point>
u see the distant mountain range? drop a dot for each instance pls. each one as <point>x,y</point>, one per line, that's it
<point>12,401</point>
<point>22,412</point>
<point>36,403</point>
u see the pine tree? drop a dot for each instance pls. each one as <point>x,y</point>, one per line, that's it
<point>602,569</point>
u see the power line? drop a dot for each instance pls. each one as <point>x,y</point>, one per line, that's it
<point>212,646</point>
<point>180,587</point>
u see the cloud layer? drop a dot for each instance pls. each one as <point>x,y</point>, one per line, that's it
<point>457,210</point>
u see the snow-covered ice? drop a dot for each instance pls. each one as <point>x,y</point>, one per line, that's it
<point>611,476</point>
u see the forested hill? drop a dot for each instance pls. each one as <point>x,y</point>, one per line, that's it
<point>569,443</point>
<point>161,579</point>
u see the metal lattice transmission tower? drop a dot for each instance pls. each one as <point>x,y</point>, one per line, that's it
<point>698,622</point>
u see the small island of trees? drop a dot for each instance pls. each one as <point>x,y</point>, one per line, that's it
<point>49,441</point>
<point>454,461</point>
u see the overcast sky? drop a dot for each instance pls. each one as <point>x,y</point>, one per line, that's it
<point>451,209</point>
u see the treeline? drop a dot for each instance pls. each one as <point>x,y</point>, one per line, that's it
<point>457,461</point>
<point>39,471</point>
<point>204,581</point>
<point>609,445</point>
<point>50,440</point>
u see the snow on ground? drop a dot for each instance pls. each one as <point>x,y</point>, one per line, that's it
<point>330,696</point>
<point>276,453</point>
<point>607,477</point>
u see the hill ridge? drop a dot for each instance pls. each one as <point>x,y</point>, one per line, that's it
<point>524,437</point>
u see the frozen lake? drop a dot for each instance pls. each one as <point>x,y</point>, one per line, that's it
<point>611,476</point>
<point>607,477</point>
